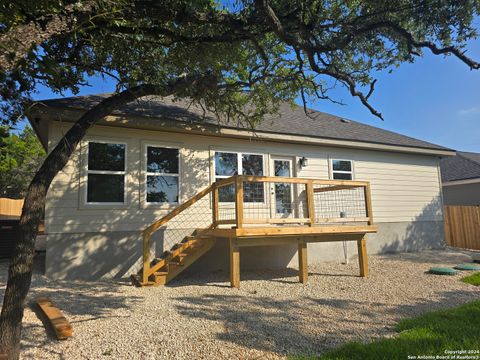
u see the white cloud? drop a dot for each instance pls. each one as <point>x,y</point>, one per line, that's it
<point>469,111</point>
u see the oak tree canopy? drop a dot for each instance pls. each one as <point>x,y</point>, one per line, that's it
<point>237,59</point>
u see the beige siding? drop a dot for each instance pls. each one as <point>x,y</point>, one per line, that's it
<point>404,187</point>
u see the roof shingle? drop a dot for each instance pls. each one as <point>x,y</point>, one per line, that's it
<point>463,166</point>
<point>292,121</point>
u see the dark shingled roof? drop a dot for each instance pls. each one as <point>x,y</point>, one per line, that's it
<point>463,166</point>
<point>291,121</point>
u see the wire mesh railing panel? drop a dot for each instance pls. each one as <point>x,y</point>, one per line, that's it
<point>337,204</point>
<point>226,203</point>
<point>289,200</point>
<point>256,201</point>
<point>197,216</point>
<point>266,202</point>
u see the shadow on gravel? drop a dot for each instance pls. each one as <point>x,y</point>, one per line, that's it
<point>221,278</point>
<point>448,257</point>
<point>89,300</point>
<point>307,326</point>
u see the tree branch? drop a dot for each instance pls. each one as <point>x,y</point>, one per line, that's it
<point>18,40</point>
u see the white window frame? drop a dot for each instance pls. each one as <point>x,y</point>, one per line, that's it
<point>148,173</point>
<point>351,172</point>
<point>106,172</point>
<point>240,170</point>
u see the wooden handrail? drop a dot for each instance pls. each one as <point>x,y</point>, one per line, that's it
<point>294,180</point>
<point>337,187</point>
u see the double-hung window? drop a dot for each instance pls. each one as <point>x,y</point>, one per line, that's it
<point>342,169</point>
<point>228,164</point>
<point>106,172</point>
<point>162,174</point>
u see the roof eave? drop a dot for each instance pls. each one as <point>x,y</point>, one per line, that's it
<point>41,130</point>
<point>461,182</point>
<point>134,121</point>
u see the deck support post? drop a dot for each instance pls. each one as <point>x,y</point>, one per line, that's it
<point>234,264</point>
<point>362,256</point>
<point>302,262</point>
<point>146,257</point>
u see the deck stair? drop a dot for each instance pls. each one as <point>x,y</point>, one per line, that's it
<point>175,261</point>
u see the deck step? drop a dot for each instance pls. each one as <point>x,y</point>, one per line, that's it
<point>174,261</point>
<point>160,273</point>
<point>160,278</point>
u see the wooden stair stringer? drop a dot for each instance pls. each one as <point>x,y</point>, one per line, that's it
<point>190,243</point>
<point>175,270</point>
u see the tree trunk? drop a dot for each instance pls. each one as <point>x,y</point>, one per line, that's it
<point>20,269</point>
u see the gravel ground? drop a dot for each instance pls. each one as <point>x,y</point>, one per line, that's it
<point>270,317</point>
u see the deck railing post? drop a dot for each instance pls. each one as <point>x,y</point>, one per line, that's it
<point>310,202</point>
<point>368,203</point>
<point>215,206</point>
<point>146,257</point>
<point>239,201</point>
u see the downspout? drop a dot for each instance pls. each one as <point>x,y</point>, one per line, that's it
<point>442,206</point>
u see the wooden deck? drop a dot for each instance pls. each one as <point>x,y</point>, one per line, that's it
<point>301,236</point>
<point>300,211</point>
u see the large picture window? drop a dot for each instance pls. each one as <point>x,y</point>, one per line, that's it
<point>106,173</point>
<point>228,164</point>
<point>342,170</point>
<point>162,174</point>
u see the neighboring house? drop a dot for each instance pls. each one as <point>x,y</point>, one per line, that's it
<point>142,161</point>
<point>461,179</point>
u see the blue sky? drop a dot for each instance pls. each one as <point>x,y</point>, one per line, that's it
<point>435,99</point>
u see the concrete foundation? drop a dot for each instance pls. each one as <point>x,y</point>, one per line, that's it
<point>118,254</point>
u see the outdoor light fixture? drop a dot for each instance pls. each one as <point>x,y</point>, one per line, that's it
<point>303,161</point>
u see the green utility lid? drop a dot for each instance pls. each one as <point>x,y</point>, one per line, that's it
<point>467,267</point>
<point>442,271</point>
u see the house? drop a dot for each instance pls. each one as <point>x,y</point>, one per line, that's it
<point>461,179</point>
<point>317,178</point>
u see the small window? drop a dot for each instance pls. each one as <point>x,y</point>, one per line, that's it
<point>229,164</point>
<point>162,175</point>
<point>342,170</point>
<point>106,173</point>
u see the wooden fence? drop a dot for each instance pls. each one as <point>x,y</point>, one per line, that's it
<point>10,208</point>
<point>462,226</point>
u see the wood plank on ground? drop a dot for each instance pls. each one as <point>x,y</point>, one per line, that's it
<point>59,323</point>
